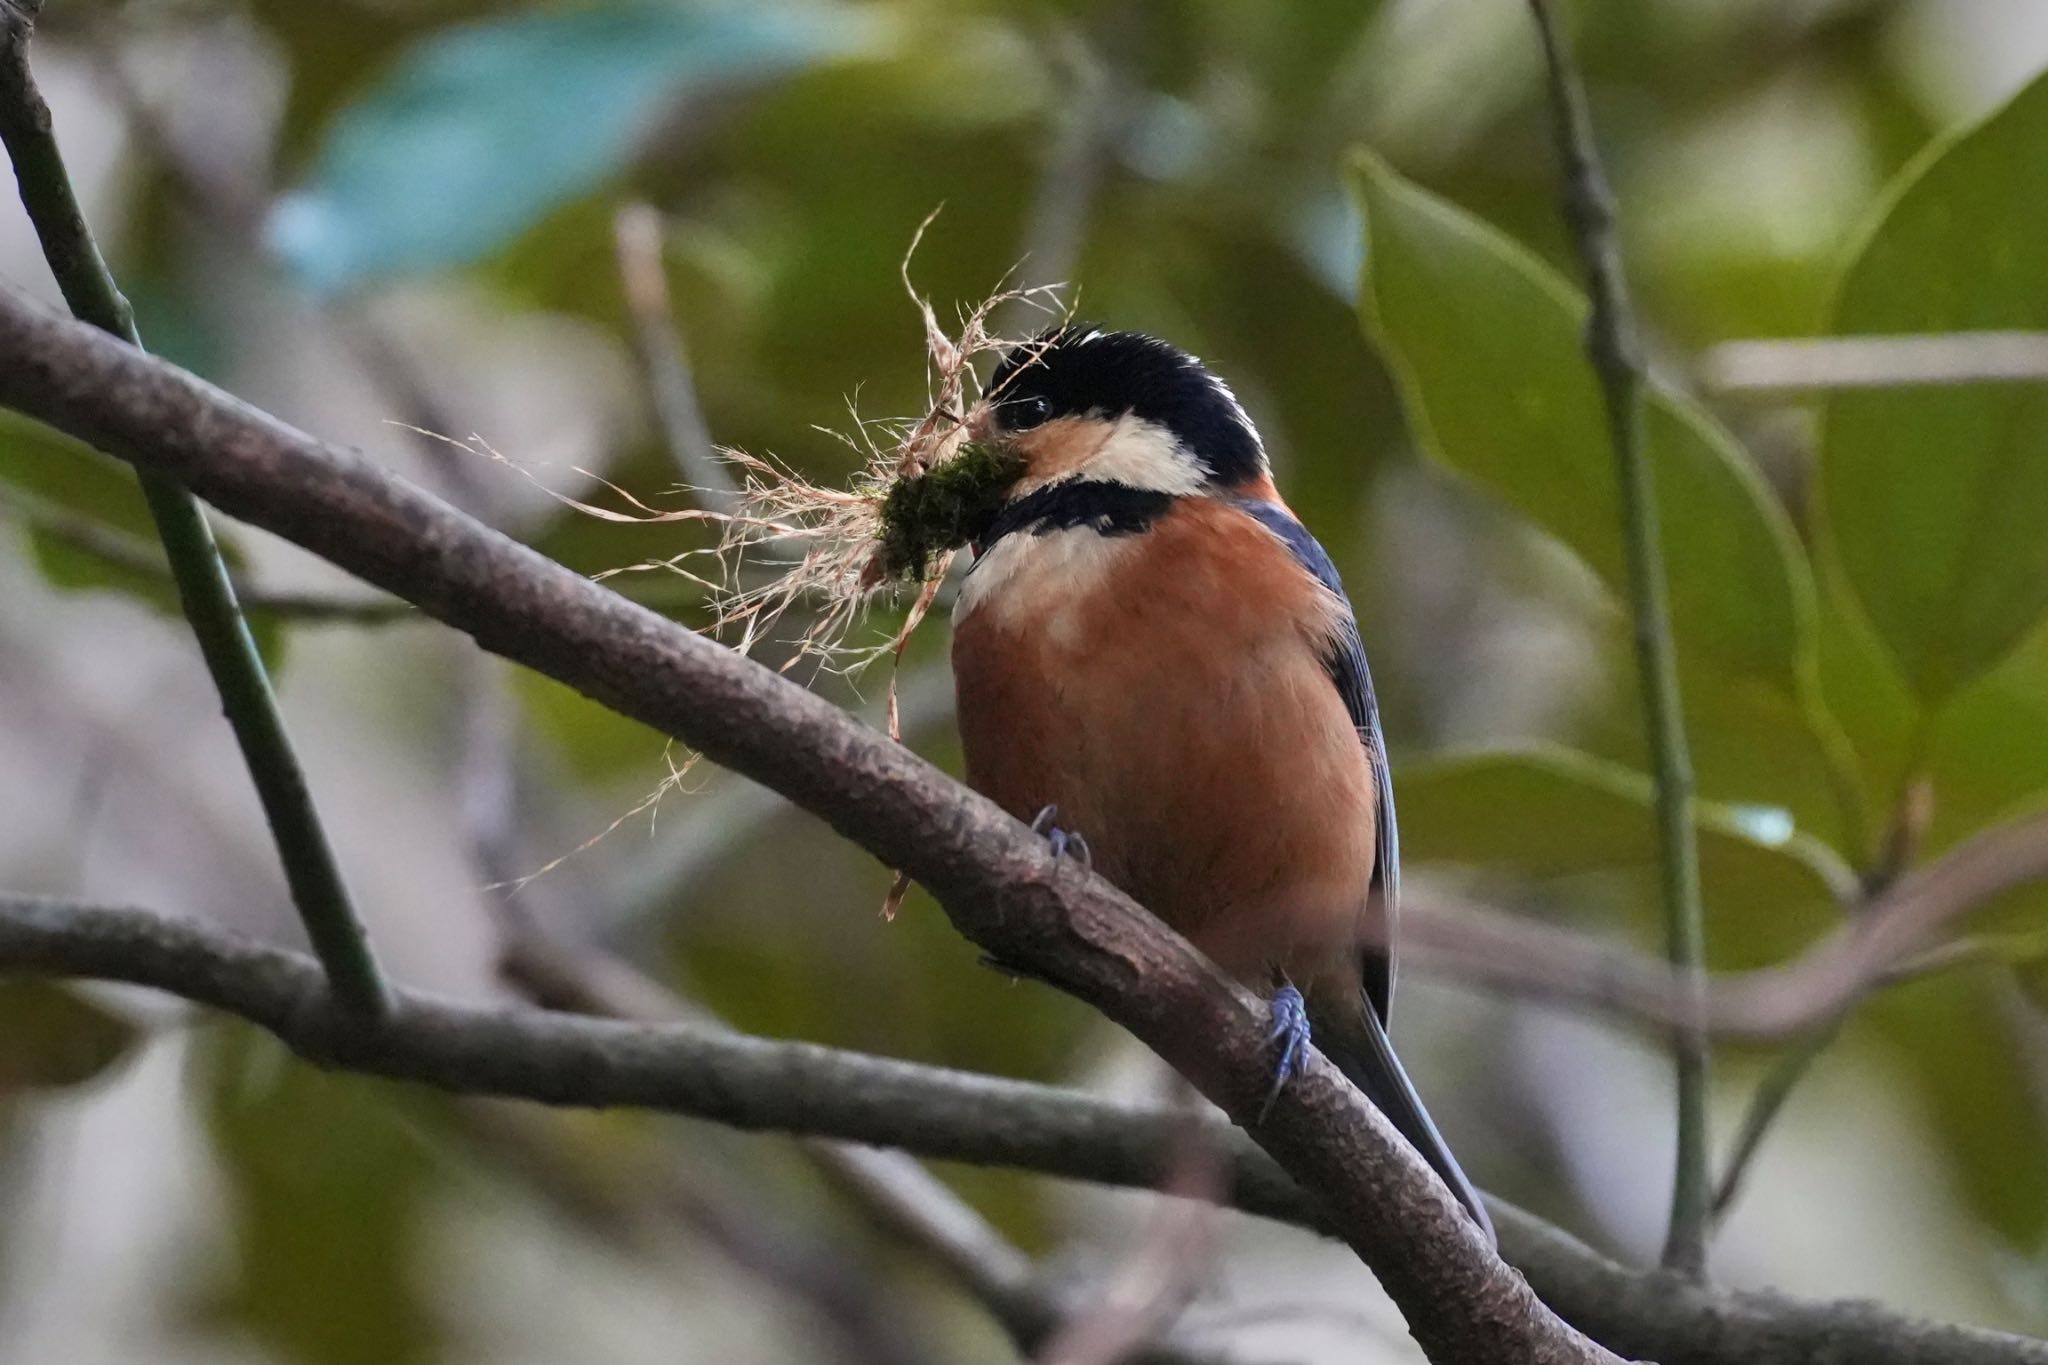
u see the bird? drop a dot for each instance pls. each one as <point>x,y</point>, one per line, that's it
<point>1156,666</point>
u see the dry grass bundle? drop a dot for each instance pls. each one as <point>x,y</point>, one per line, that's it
<point>792,546</point>
<point>921,486</point>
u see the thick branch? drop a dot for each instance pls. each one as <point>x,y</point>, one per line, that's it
<point>996,881</point>
<point>803,1089</point>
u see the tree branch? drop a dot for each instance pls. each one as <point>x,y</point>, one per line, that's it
<point>803,1089</point>
<point>1800,365</point>
<point>204,589</point>
<point>1615,350</point>
<point>1899,934</point>
<point>994,879</point>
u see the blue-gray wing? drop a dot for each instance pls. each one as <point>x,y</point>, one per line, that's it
<point>1345,661</point>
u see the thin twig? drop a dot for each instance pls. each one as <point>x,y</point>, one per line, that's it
<point>1795,365</point>
<point>117,549</point>
<point>1153,1287</point>
<point>1764,1107</point>
<point>753,1084</point>
<point>1615,351</point>
<point>204,589</point>
<point>637,232</point>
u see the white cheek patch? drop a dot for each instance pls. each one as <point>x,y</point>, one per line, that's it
<point>1039,576</point>
<point>1132,452</point>
<point>1143,454</point>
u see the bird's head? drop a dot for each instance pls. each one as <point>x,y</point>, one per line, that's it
<point>1109,428</point>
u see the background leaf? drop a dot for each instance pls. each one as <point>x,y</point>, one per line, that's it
<point>1936,500</point>
<point>1543,813</point>
<point>480,130</point>
<point>326,1185</point>
<point>42,471</point>
<point>1485,340</point>
<point>52,1036</point>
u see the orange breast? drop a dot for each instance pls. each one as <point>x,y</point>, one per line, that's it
<point>1166,691</point>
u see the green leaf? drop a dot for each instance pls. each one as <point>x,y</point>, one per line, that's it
<point>1934,500</point>
<point>1485,341</point>
<point>327,1188</point>
<point>1986,755</point>
<point>51,1036</point>
<point>1545,812</point>
<point>478,131</point>
<point>72,498</point>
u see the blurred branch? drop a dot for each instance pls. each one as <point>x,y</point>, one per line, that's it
<point>122,551</point>
<point>756,1084</point>
<point>1898,935</point>
<point>1163,1273</point>
<point>1795,365</point>
<point>894,1192</point>
<point>637,232</point>
<point>1764,1107</point>
<point>204,590</point>
<point>640,1202</point>
<point>1615,350</point>
<point>1078,157</point>
<point>990,873</point>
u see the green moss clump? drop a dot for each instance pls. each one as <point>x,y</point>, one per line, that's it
<point>945,509</point>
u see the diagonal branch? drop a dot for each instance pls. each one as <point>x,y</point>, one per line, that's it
<point>1905,931</point>
<point>803,1089</point>
<point>993,877</point>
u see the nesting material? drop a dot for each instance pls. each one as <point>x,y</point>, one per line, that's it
<point>794,545</point>
<point>789,545</point>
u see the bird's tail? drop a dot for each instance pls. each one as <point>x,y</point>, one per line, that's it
<point>1363,1051</point>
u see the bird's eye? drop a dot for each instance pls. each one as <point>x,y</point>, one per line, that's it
<point>1022,414</point>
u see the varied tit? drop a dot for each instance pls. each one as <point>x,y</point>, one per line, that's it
<point>1157,664</point>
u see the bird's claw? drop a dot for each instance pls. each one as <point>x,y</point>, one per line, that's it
<point>1063,842</point>
<point>1291,1031</point>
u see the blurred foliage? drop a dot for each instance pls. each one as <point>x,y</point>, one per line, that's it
<point>56,1037</point>
<point>412,178</point>
<point>1544,813</point>
<point>324,1186</point>
<point>1350,209</point>
<point>1933,500</point>
<point>42,470</point>
<point>1488,344</point>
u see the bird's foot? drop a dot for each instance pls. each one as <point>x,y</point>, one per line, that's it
<point>1291,1031</point>
<point>1064,842</point>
